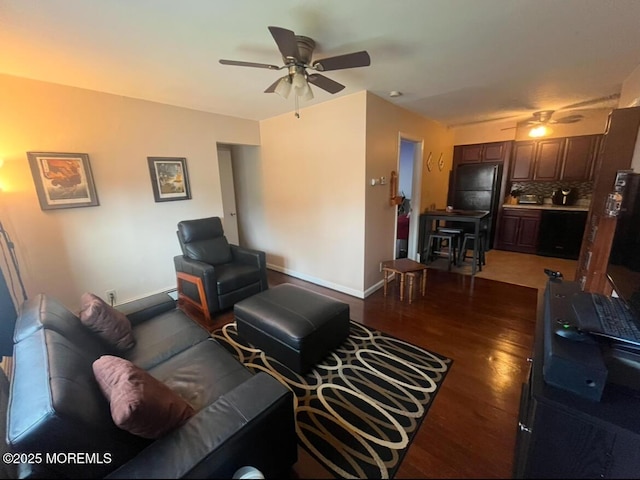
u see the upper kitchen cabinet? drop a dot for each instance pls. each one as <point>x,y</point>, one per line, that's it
<point>481,153</point>
<point>579,157</point>
<point>548,159</point>
<point>523,161</point>
<point>566,158</point>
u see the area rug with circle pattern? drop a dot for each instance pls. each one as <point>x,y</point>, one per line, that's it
<point>358,410</point>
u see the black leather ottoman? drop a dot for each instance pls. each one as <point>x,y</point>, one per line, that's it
<point>294,325</point>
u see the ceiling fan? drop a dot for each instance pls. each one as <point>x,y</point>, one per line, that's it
<point>297,51</point>
<point>543,117</point>
<point>539,121</point>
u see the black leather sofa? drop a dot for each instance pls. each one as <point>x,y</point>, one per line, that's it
<point>55,403</point>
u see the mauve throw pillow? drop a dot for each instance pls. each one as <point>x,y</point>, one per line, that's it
<point>111,324</point>
<point>140,403</point>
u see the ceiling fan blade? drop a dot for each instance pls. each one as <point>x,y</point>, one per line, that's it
<point>286,41</point>
<point>570,119</point>
<point>325,83</point>
<point>249,64</point>
<point>272,88</point>
<point>349,60</point>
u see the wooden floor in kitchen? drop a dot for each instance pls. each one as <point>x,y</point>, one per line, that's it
<point>486,326</point>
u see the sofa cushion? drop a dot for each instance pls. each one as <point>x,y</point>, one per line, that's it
<point>233,276</point>
<point>204,240</point>
<point>113,326</point>
<point>162,337</point>
<point>213,251</point>
<point>140,404</point>
<point>202,373</point>
<point>44,312</point>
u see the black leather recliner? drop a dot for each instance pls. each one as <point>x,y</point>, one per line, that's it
<point>212,274</point>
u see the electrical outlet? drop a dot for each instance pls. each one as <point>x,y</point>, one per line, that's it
<point>110,297</point>
<point>380,266</point>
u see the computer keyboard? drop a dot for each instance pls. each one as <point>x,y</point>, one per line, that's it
<point>615,319</point>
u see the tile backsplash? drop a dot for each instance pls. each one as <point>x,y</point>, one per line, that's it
<point>546,189</point>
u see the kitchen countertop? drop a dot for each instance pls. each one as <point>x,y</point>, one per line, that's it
<point>529,206</point>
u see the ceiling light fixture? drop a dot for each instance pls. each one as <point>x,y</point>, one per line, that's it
<point>297,81</point>
<point>395,93</point>
<point>539,131</point>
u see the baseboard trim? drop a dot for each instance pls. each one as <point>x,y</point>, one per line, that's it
<point>317,281</point>
<point>373,288</point>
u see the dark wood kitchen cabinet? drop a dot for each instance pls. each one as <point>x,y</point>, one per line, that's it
<point>579,157</point>
<point>548,159</point>
<point>554,159</point>
<point>518,230</point>
<point>522,161</point>
<point>481,153</point>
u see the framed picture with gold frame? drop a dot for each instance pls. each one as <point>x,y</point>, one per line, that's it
<point>63,180</point>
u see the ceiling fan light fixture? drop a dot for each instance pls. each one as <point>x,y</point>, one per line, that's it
<point>540,131</point>
<point>298,81</point>
<point>284,87</point>
<point>306,93</point>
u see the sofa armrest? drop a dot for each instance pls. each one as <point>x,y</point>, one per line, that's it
<point>251,425</point>
<point>252,257</point>
<point>138,311</point>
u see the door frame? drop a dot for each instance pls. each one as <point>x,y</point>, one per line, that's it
<point>416,194</point>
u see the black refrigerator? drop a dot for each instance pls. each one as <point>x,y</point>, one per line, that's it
<point>476,186</point>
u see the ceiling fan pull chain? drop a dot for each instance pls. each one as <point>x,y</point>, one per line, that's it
<point>297,109</point>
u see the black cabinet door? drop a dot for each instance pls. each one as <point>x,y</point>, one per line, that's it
<point>566,446</point>
<point>561,234</point>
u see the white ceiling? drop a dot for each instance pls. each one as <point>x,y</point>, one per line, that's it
<point>456,61</point>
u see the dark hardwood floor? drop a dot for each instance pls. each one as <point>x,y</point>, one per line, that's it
<point>487,328</point>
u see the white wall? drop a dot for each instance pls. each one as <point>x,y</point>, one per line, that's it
<point>312,182</point>
<point>128,242</point>
<point>630,93</point>
<point>385,123</point>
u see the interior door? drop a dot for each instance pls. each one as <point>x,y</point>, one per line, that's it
<point>230,220</point>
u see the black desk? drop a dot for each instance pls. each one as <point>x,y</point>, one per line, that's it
<point>430,219</point>
<point>561,434</point>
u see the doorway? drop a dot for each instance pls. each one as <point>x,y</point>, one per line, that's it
<point>409,187</point>
<point>230,218</point>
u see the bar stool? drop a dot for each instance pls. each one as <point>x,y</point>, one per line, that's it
<point>458,234</point>
<point>435,244</point>
<point>469,242</point>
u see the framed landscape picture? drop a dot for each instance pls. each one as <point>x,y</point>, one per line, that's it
<point>63,180</point>
<point>169,178</point>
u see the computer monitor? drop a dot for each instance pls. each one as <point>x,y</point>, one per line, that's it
<point>623,268</point>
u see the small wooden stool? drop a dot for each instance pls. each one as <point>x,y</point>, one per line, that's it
<point>423,283</point>
<point>402,267</point>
